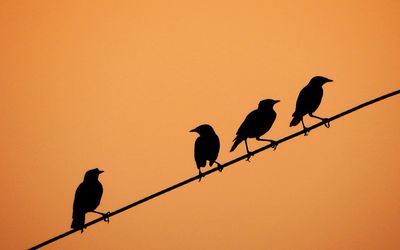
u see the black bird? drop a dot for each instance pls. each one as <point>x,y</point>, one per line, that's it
<point>87,198</point>
<point>257,123</point>
<point>309,100</point>
<point>206,147</point>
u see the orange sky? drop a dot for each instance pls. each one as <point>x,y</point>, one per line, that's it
<point>118,85</point>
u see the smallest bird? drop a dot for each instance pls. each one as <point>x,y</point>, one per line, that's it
<point>87,198</point>
<point>206,147</point>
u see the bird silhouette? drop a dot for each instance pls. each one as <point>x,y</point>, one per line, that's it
<point>257,123</point>
<point>308,101</point>
<point>87,198</point>
<point>206,147</point>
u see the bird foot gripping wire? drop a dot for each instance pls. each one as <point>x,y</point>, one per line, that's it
<point>201,175</point>
<point>274,144</point>
<point>306,131</point>
<point>326,122</point>
<point>219,167</point>
<point>106,216</point>
<point>249,155</point>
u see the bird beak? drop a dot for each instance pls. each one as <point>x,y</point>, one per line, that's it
<point>193,130</point>
<point>276,101</point>
<point>101,171</point>
<point>329,80</point>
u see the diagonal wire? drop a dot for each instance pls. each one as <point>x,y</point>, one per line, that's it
<point>168,189</point>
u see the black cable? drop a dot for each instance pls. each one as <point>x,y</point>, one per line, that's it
<point>182,183</point>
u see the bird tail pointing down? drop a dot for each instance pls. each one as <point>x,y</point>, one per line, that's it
<point>296,120</point>
<point>236,142</point>
<point>78,220</point>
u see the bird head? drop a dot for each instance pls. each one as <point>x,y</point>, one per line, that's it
<point>267,104</point>
<point>319,80</point>
<point>203,129</point>
<point>92,174</point>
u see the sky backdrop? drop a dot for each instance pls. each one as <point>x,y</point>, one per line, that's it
<point>118,85</point>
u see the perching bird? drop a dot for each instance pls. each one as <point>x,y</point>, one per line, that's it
<point>309,100</point>
<point>257,123</point>
<point>87,198</point>
<point>206,147</point>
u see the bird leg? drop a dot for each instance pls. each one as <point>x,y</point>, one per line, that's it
<point>106,216</point>
<point>324,120</point>
<point>306,130</point>
<point>274,144</point>
<point>201,175</point>
<point>219,166</point>
<point>249,153</point>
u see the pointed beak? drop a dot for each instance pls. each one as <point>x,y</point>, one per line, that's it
<point>193,130</point>
<point>101,171</point>
<point>276,101</point>
<point>329,80</point>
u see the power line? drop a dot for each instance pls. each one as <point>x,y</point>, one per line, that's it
<point>168,189</point>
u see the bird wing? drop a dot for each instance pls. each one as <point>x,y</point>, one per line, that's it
<point>269,118</point>
<point>214,149</point>
<point>79,200</point>
<point>96,192</point>
<point>301,103</point>
<point>248,125</point>
<point>308,100</point>
<point>257,123</point>
<point>200,149</point>
<point>87,197</point>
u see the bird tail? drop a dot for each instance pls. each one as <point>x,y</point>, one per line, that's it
<point>296,120</point>
<point>78,220</point>
<point>236,142</point>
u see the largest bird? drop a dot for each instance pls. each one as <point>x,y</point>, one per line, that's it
<point>257,123</point>
<point>87,198</point>
<point>309,100</point>
<point>206,147</point>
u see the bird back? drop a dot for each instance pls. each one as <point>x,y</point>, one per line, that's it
<point>308,101</point>
<point>257,123</point>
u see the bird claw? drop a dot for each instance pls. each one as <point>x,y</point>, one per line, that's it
<point>219,167</point>
<point>201,175</point>
<point>106,217</point>
<point>326,122</point>
<point>306,131</point>
<point>274,144</point>
<point>249,155</point>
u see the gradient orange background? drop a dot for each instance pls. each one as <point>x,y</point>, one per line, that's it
<point>118,85</point>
